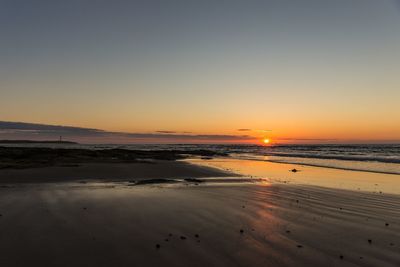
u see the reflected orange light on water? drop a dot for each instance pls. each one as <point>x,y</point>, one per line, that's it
<point>308,175</point>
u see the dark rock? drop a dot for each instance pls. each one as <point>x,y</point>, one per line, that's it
<point>193,180</point>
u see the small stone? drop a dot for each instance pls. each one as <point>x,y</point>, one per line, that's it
<point>288,231</point>
<point>386,224</point>
<point>299,246</point>
<point>369,241</point>
<point>341,257</point>
<point>196,235</point>
<point>158,246</point>
<point>183,237</point>
<point>241,231</point>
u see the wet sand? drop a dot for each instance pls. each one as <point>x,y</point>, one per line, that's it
<point>307,218</point>
<point>110,172</point>
<point>308,175</point>
<point>212,224</point>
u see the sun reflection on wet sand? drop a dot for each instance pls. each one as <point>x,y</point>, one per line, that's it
<point>309,175</point>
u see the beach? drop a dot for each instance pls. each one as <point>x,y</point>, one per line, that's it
<point>226,213</point>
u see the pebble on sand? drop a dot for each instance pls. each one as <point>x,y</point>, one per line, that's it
<point>183,237</point>
<point>158,246</point>
<point>196,235</point>
<point>369,241</point>
<point>341,257</point>
<point>241,231</point>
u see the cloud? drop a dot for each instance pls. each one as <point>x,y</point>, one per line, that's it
<point>306,139</point>
<point>244,130</point>
<point>166,132</point>
<point>34,131</point>
<point>22,127</point>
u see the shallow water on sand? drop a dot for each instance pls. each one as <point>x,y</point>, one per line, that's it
<point>309,175</point>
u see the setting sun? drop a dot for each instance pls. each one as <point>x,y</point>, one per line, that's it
<point>266,141</point>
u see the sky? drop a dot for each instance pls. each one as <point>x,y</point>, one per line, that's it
<point>300,71</point>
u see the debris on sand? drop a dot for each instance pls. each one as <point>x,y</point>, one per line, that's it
<point>193,180</point>
<point>241,231</point>
<point>155,181</point>
<point>294,170</point>
<point>158,246</point>
<point>183,237</point>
